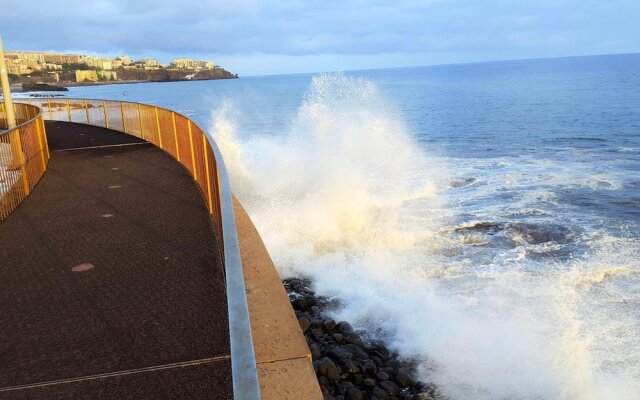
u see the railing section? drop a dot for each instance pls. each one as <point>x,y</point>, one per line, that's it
<point>187,143</point>
<point>24,156</point>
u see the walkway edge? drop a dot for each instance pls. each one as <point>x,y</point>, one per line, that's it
<point>282,355</point>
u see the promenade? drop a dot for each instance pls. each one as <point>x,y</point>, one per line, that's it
<point>112,285</point>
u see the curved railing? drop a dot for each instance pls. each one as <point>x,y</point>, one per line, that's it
<point>24,155</point>
<point>198,153</point>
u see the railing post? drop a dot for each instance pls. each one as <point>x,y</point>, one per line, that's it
<point>44,131</point>
<point>124,124</point>
<point>193,154</point>
<point>17,148</point>
<point>205,144</point>
<point>86,110</point>
<point>106,115</point>
<point>159,131</point>
<point>175,135</point>
<point>68,110</point>
<point>40,132</point>
<point>140,121</point>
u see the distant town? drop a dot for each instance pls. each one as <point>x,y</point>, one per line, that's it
<point>41,69</point>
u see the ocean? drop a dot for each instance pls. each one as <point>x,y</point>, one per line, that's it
<point>482,219</point>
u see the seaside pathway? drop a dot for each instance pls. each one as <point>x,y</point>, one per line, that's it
<point>111,284</point>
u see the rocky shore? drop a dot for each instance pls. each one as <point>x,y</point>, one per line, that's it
<point>349,367</point>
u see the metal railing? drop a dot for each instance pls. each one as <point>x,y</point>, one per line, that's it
<point>198,153</point>
<point>24,156</point>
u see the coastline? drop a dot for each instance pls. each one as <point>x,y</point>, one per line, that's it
<point>347,365</point>
<point>17,87</point>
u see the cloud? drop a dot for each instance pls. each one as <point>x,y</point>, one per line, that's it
<point>309,29</point>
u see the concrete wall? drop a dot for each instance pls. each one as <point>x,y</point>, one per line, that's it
<point>284,361</point>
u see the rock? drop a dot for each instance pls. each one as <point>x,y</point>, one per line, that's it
<point>318,334</point>
<point>42,87</point>
<point>315,310</point>
<point>349,367</point>
<point>357,379</point>
<point>344,327</point>
<point>328,324</point>
<point>380,393</point>
<point>369,382</point>
<point>369,366</point>
<point>354,394</point>
<point>403,377</point>
<point>304,324</point>
<point>354,338</point>
<point>328,368</point>
<point>327,396</point>
<point>339,353</point>
<point>390,387</point>
<point>357,351</point>
<point>378,361</point>
<point>316,323</point>
<point>316,354</point>
<point>304,303</point>
<point>382,376</point>
<point>338,337</point>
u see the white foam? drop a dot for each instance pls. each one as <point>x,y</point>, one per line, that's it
<point>346,197</point>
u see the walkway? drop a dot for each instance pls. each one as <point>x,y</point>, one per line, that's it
<point>110,281</point>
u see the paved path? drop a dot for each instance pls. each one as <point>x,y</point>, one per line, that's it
<point>110,280</point>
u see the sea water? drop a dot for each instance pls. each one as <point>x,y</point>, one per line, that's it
<point>482,219</point>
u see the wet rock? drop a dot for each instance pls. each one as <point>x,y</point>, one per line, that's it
<point>380,393</point>
<point>369,382</point>
<point>382,376</point>
<point>350,367</point>
<point>304,303</point>
<point>328,324</point>
<point>317,334</point>
<point>390,387</point>
<point>304,324</point>
<point>339,353</point>
<point>354,338</point>
<point>354,394</point>
<point>357,351</point>
<point>328,368</point>
<point>344,327</point>
<point>316,354</point>
<point>403,377</point>
<point>338,337</point>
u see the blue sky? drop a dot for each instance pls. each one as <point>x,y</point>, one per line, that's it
<point>254,37</point>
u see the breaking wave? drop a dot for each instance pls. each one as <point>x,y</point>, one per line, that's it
<point>346,196</point>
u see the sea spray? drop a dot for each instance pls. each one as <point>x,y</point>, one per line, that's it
<point>346,197</point>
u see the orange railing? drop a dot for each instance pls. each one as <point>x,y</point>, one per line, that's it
<point>24,155</point>
<point>168,130</point>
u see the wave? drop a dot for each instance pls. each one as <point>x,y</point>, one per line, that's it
<point>347,197</point>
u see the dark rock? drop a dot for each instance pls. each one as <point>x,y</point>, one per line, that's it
<point>357,379</point>
<point>327,396</point>
<point>390,387</point>
<point>318,334</point>
<point>382,376</point>
<point>369,366</point>
<point>42,87</point>
<point>354,338</point>
<point>338,337</point>
<point>369,382</point>
<point>339,353</point>
<point>328,368</point>
<point>403,377</point>
<point>344,327</point>
<point>378,361</point>
<point>328,324</point>
<point>304,324</point>
<point>380,393</point>
<point>316,354</point>
<point>354,394</point>
<point>315,310</point>
<point>357,351</point>
<point>304,303</point>
<point>349,367</point>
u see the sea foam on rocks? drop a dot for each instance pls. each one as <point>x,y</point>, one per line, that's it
<point>348,367</point>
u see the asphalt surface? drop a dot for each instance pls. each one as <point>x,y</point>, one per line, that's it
<point>111,285</point>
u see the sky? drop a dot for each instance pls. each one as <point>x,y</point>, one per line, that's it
<point>253,37</point>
